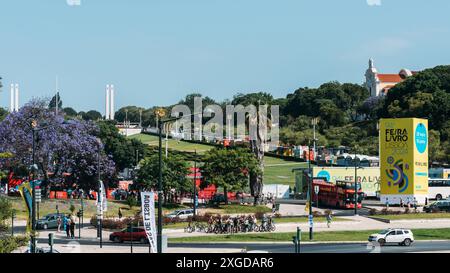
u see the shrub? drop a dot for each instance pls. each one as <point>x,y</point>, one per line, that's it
<point>113,223</point>
<point>131,202</point>
<point>385,211</point>
<point>407,210</point>
<point>8,244</point>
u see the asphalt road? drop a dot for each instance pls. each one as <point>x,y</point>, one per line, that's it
<point>435,246</point>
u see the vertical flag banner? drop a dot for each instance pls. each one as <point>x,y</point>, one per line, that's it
<point>148,217</point>
<point>27,195</point>
<point>102,205</point>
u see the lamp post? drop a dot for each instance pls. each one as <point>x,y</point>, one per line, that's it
<point>195,184</point>
<point>99,198</point>
<point>33,190</point>
<point>310,190</point>
<point>160,113</point>
<point>357,166</point>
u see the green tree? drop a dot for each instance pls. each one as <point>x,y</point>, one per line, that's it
<point>174,175</point>
<point>69,111</point>
<point>122,149</point>
<point>92,115</point>
<point>52,103</point>
<point>230,168</point>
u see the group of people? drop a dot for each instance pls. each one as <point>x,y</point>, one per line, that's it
<point>68,225</point>
<point>241,223</point>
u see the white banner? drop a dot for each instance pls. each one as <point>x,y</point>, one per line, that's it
<point>102,205</point>
<point>148,217</point>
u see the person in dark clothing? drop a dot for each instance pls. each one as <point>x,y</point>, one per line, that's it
<point>72,227</point>
<point>68,223</point>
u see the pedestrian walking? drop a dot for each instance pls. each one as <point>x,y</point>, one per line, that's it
<point>329,219</point>
<point>415,203</point>
<point>120,213</point>
<point>72,226</point>
<point>401,202</point>
<point>67,226</point>
<point>387,203</point>
<point>59,223</point>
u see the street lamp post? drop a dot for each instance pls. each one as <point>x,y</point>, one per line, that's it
<point>160,197</point>
<point>161,113</point>
<point>99,209</point>
<point>310,189</point>
<point>33,190</point>
<point>195,184</point>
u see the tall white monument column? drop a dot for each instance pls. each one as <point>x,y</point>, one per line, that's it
<point>14,100</point>
<point>107,115</point>
<point>16,108</point>
<point>111,110</point>
<point>12,97</point>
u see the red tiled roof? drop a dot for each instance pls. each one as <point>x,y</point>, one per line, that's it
<point>389,78</point>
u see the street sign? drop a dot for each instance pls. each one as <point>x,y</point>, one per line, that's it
<point>310,220</point>
<point>316,189</point>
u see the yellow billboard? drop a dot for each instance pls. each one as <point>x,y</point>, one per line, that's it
<point>369,177</point>
<point>404,159</point>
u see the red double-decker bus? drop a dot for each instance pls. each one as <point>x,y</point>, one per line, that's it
<point>339,195</point>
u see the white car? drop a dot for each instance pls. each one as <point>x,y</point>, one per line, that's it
<point>398,236</point>
<point>182,214</point>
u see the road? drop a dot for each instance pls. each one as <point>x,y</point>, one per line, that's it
<point>425,246</point>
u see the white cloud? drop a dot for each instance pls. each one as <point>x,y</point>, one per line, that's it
<point>374,2</point>
<point>73,2</point>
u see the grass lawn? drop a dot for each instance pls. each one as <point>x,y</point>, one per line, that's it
<point>236,209</point>
<point>415,216</point>
<point>173,144</point>
<point>277,171</point>
<point>90,208</point>
<point>419,234</point>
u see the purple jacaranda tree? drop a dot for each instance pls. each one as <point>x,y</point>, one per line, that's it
<point>62,146</point>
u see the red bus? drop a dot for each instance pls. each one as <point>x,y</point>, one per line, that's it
<point>339,195</point>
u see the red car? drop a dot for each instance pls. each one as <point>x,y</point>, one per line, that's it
<point>136,234</point>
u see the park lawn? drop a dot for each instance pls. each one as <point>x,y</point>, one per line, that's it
<point>90,208</point>
<point>173,144</point>
<point>415,216</point>
<point>276,171</point>
<point>237,209</point>
<point>326,236</point>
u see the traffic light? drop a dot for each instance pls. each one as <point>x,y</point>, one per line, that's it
<point>80,213</point>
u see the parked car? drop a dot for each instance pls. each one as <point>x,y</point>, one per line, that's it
<point>49,221</point>
<point>441,205</point>
<point>183,214</point>
<point>393,236</point>
<point>129,234</point>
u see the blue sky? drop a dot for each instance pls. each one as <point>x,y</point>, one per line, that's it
<point>157,51</point>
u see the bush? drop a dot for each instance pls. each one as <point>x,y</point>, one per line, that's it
<point>385,211</point>
<point>113,223</point>
<point>8,244</point>
<point>131,202</point>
